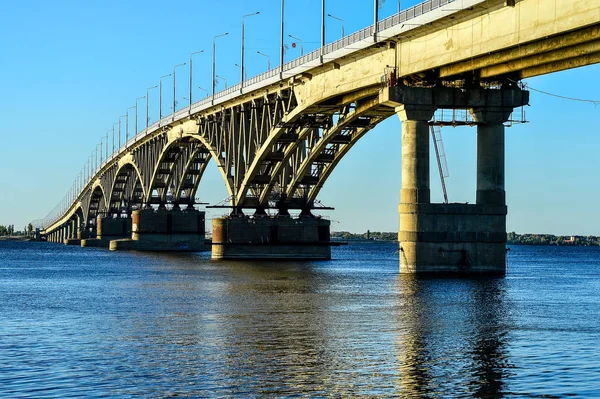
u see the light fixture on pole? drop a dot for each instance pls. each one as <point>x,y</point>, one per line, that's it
<point>301,44</point>
<point>341,20</point>
<point>213,63</point>
<point>175,87</point>
<point>192,74</point>
<point>113,137</point>
<point>127,125</point>
<point>107,143</point>
<point>221,77</point>
<point>136,113</point>
<point>268,60</point>
<point>281,43</point>
<point>122,116</point>
<point>160,96</point>
<point>147,94</point>
<point>204,90</point>
<point>242,74</point>
<point>239,66</point>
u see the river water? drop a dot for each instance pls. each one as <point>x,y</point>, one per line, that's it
<point>91,323</point>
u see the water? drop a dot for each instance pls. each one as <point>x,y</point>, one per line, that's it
<point>90,323</point>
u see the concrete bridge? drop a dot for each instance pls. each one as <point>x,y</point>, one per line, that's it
<point>277,137</point>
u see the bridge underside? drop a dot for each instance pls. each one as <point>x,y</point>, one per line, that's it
<point>275,146</point>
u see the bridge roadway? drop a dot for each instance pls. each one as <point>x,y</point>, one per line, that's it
<point>278,136</point>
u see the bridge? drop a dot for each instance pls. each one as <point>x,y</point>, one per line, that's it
<point>278,136</point>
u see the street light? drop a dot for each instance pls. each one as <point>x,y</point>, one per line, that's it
<point>268,60</point>
<point>339,19</point>
<point>122,116</point>
<point>191,74</point>
<point>242,74</point>
<point>107,143</point>
<point>398,6</point>
<point>221,77</point>
<point>127,125</point>
<point>174,87</point>
<point>301,44</point>
<point>160,96</point>
<point>204,90</point>
<point>213,63</point>
<point>136,113</point>
<point>113,137</point>
<point>239,66</point>
<point>147,95</point>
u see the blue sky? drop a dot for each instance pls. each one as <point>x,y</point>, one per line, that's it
<point>69,69</point>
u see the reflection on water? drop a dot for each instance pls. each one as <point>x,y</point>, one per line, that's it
<point>452,337</point>
<point>85,322</point>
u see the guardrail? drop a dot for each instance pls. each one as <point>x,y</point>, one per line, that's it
<point>346,41</point>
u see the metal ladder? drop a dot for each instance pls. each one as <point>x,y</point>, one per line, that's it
<point>440,154</point>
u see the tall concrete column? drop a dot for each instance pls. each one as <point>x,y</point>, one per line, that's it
<point>415,162</point>
<point>415,153</point>
<point>490,164</point>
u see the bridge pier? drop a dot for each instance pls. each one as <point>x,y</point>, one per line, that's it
<point>72,237</point>
<point>107,229</point>
<point>165,230</point>
<point>244,237</point>
<point>453,238</point>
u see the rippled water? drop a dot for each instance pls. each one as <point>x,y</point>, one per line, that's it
<point>91,323</point>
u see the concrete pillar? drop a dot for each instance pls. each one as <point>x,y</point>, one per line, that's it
<point>490,164</point>
<point>415,154</point>
<point>108,229</point>
<point>245,237</point>
<point>415,162</point>
<point>164,230</point>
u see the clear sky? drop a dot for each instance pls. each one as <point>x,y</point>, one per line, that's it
<point>69,69</point>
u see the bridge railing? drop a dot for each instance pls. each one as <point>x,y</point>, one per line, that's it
<point>344,42</point>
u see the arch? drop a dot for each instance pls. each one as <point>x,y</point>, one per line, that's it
<point>178,172</point>
<point>96,206</point>
<point>127,190</point>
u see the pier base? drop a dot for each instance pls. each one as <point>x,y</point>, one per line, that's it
<point>452,238</point>
<point>108,228</point>
<point>271,238</point>
<point>73,241</point>
<point>165,230</point>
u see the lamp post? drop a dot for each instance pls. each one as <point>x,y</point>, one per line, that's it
<point>160,96</point>
<point>239,66</point>
<point>191,74</point>
<point>113,137</point>
<point>122,116</point>
<point>301,44</point>
<point>204,90</point>
<point>175,87</point>
<point>242,75</point>
<point>221,77</point>
<point>213,63</point>
<point>127,125</point>
<point>339,19</point>
<point>107,143</point>
<point>398,6</point>
<point>147,94</point>
<point>281,48</point>
<point>268,60</point>
<point>136,113</point>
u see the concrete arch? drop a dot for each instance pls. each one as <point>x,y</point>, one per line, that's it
<point>126,189</point>
<point>178,171</point>
<point>97,205</point>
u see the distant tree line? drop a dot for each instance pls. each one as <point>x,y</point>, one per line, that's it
<point>369,235</point>
<point>513,238</point>
<point>9,230</point>
<point>549,239</point>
